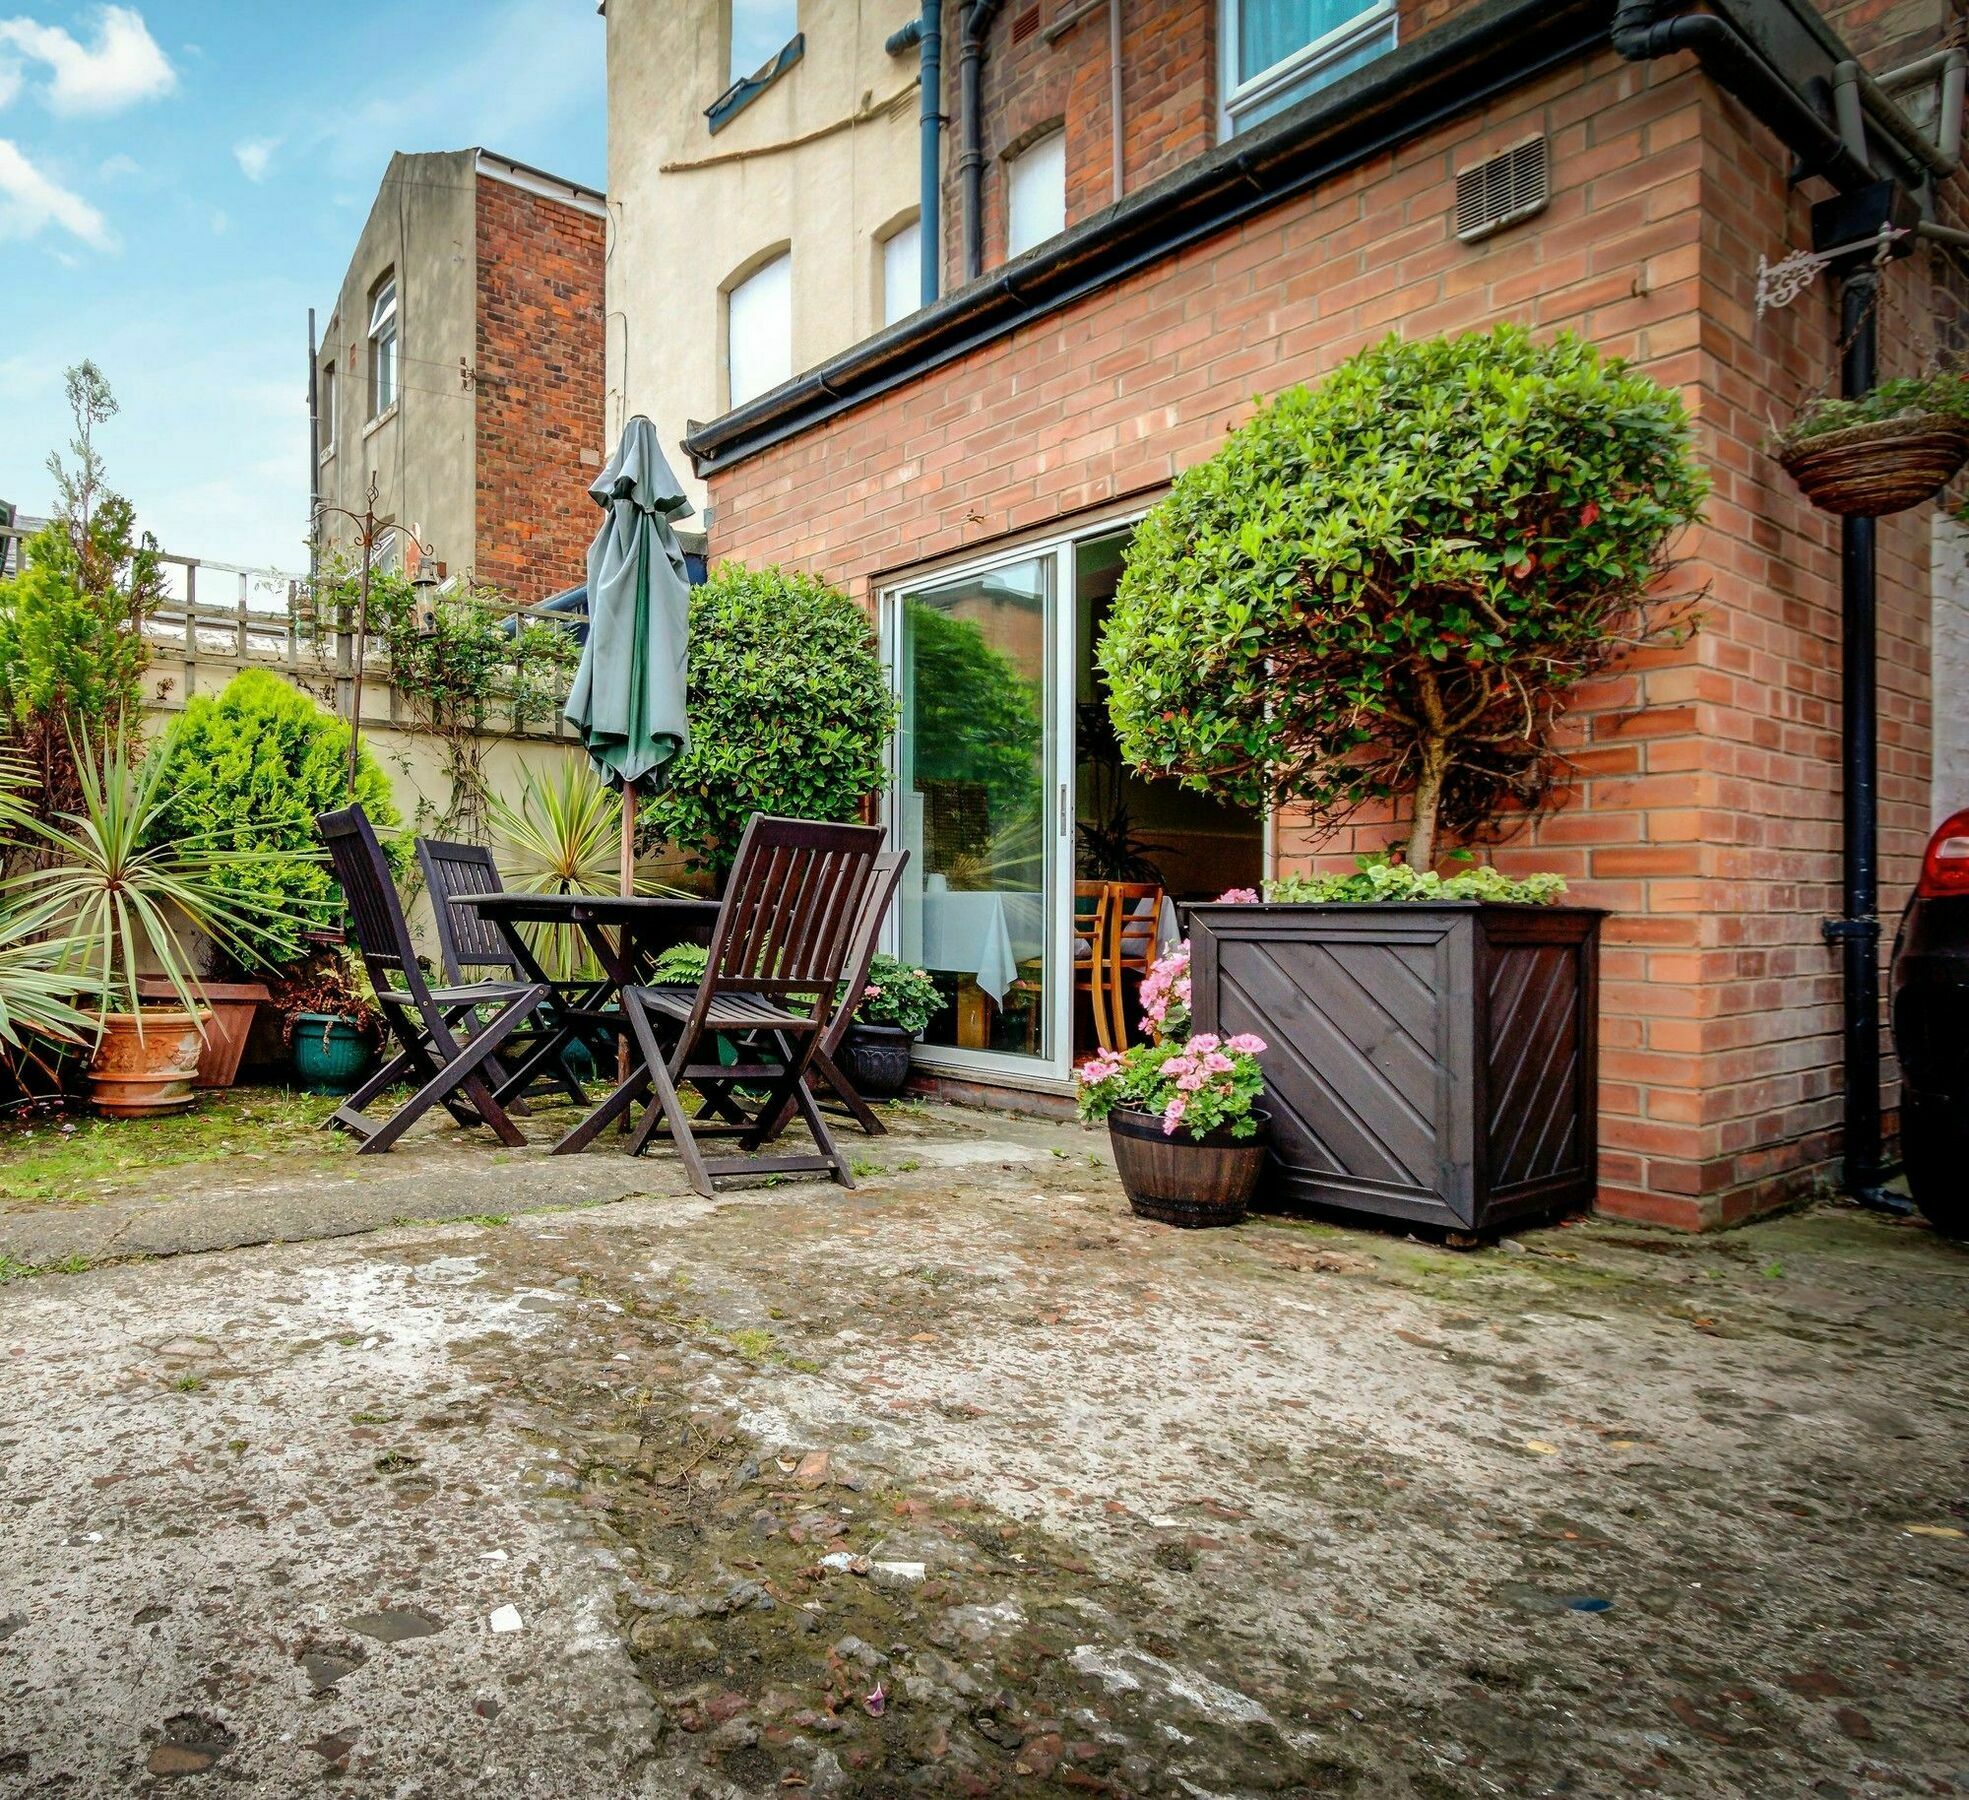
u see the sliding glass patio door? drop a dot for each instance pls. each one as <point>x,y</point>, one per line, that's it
<point>980,802</point>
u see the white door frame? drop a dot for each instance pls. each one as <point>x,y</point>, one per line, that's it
<point>1053,1073</point>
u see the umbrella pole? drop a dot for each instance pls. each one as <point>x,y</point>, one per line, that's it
<point>628,876</point>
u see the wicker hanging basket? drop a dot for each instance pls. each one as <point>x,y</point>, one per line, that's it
<point>1868,471</point>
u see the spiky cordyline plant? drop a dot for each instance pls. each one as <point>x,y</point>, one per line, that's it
<point>564,837</point>
<point>106,899</point>
<point>37,999</point>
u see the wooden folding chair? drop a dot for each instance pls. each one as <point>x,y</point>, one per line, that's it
<point>471,944</point>
<point>777,955</point>
<point>831,1087</point>
<point>429,1024</point>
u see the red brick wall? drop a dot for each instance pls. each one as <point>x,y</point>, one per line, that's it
<point>1168,100</point>
<point>1705,809</point>
<point>539,388</point>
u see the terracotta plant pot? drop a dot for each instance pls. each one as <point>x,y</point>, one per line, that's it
<point>1182,1180</point>
<point>134,1077</point>
<point>876,1059</point>
<point>234,1005</point>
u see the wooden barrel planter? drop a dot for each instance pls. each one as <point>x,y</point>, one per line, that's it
<point>1869,471</point>
<point>1180,1179</point>
<point>1433,1063</point>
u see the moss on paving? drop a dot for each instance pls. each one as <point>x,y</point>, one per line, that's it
<point>58,1161</point>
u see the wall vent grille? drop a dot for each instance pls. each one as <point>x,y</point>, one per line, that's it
<point>1507,187</point>
<point>1025,25</point>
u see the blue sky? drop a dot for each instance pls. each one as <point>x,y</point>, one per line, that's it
<point>181,179</point>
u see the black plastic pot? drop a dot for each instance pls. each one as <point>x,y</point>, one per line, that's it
<point>1431,1062</point>
<point>876,1059</point>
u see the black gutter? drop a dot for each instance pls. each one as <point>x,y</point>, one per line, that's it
<point>1490,49</point>
<point>1641,33</point>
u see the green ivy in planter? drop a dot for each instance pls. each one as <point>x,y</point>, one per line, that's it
<point>1377,878</point>
<point>1389,584</point>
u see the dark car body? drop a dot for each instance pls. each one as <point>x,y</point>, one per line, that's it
<point>1930,999</point>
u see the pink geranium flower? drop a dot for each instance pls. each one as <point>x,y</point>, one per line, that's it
<point>1238,897</point>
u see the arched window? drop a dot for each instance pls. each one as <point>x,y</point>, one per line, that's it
<point>759,329</point>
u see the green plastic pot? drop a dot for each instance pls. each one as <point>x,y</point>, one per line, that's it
<point>330,1053</point>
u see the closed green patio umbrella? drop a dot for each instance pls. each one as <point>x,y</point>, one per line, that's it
<point>627,702</point>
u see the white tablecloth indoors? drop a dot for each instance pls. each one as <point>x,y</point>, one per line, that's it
<point>986,934</point>
<point>990,934</point>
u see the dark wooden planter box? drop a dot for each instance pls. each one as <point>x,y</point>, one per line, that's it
<point>1433,1063</point>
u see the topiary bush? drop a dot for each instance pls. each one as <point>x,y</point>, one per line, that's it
<point>790,712</point>
<point>251,767</point>
<point>1387,585</point>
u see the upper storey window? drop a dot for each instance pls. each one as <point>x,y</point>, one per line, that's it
<point>1279,51</point>
<point>1037,184</point>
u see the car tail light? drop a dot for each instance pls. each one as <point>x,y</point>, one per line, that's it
<point>1945,868</point>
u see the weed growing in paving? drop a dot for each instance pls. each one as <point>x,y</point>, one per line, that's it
<point>79,1159</point>
<point>12,1269</point>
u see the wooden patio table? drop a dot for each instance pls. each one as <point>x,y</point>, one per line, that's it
<point>627,933</point>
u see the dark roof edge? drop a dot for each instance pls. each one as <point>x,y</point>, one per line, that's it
<point>1496,46</point>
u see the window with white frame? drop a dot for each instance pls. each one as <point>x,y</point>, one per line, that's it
<point>1279,51</point>
<point>383,347</point>
<point>902,271</point>
<point>1036,190</point>
<point>759,329</point>
<point>761,29</point>
<point>325,412</point>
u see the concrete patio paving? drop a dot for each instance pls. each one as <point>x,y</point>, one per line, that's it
<point>966,1482</point>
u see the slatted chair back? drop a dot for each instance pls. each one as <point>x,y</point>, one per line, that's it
<point>882,887</point>
<point>469,942</point>
<point>1135,925</point>
<point>382,934</point>
<point>790,907</point>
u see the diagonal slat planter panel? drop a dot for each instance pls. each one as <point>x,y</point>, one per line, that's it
<point>1432,1063</point>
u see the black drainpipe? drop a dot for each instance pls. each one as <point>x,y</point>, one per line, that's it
<point>971,159</point>
<point>1857,931</point>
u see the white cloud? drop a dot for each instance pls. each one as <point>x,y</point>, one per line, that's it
<point>31,200</point>
<point>118,168</point>
<point>10,82</point>
<point>255,157</point>
<point>123,65</point>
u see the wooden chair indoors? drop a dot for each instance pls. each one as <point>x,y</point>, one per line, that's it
<point>1134,930</point>
<point>436,1029</point>
<point>778,952</point>
<point>1093,932</point>
<point>473,948</point>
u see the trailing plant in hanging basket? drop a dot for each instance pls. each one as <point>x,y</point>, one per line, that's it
<point>1886,451</point>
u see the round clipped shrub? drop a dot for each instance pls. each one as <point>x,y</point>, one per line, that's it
<point>1386,585</point>
<point>789,710</point>
<point>252,766</point>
